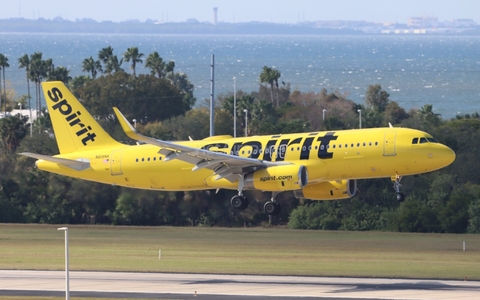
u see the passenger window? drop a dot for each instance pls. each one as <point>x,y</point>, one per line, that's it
<point>143,159</point>
<point>352,145</point>
<point>364,144</point>
<point>148,159</point>
<point>370,143</point>
<point>358,144</point>
<point>376,143</point>
<point>136,160</point>
<point>339,145</point>
<point>423,140</point>
<point>346,145</point>
<point>415,141</point>
<point>333,146</point>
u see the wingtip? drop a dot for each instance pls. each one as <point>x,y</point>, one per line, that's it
<point>126,126</point>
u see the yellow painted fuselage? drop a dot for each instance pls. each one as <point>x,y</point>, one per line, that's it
<point>328,156</point>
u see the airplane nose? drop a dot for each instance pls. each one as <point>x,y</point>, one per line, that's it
<point>445,156</point>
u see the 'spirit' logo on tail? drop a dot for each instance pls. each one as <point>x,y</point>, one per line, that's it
<point>72,118</point>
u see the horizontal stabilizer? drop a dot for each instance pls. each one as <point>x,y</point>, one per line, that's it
<point>79,164</point>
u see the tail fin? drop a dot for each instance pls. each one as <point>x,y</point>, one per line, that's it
<point>75,129</point>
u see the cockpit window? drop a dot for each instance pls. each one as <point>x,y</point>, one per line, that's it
<point>432,140</point>
<point>423,140</point>
<point>415,141</point>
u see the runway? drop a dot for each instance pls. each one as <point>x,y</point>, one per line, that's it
<point>208,286</point>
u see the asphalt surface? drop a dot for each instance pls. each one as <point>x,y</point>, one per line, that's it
<point>208,286</point>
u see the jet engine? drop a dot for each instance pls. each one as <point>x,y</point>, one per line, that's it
<point>278,178</point>
<point>328,190</point>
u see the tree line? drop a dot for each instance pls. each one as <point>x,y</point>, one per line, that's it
<point>163,105</point>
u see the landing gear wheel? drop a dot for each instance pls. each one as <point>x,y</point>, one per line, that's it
<point>271,208</point>
<point>239,202</point>
<point>396,186</point>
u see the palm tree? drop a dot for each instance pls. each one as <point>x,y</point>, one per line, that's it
<point>24,62</point>
<point>267,76</point>
<point>89,65</point>
<point>49,69</point>
<point>275,76</point>
<point>133,55</point>
<point>110,61</point>
<point>105,54</point>
<point>38,71</point>
<point>170,67</point>
<point>113,65</point>
<point>4,64</point>
<point>156,64</point>
<point>61,74</point>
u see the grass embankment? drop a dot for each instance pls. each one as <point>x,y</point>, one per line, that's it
<point>242,251</point>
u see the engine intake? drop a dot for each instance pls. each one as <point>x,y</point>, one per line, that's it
<point>328,190</point>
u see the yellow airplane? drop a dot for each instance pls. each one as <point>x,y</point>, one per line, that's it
<point>314,165</point>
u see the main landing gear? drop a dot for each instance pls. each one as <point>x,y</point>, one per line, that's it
<point>239,201</point>
<point>271,207</point>
<point>396,186</point>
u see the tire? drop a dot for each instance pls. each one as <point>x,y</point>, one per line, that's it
<point>400,197</point>
<point>239,202</point>
<point>270,208</point>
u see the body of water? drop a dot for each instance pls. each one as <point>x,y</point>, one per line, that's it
<point>415,70</point>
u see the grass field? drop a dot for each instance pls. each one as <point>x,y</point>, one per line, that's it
<point>242,251</point>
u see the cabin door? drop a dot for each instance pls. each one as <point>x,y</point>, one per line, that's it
<point>116,162</point>
<point>389,144</point>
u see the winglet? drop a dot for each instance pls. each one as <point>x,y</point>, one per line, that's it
<point>128,128</point>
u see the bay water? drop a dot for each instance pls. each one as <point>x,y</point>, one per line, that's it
<point>416,70</point>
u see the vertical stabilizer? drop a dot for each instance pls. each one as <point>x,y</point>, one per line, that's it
<point>75,128</point>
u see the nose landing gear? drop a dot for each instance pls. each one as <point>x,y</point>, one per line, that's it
<point>396,186</point>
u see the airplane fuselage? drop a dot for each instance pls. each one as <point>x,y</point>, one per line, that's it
<point>327,156</point>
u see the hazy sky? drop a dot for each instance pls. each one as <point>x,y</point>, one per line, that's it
<point>279,11</point>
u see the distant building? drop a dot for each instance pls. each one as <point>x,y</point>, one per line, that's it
<point>463,23</point>
<point>422,22</point>
<point>215,11</point>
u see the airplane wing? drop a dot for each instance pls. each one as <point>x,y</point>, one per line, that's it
<point>224,165</point>
<point>79,165</point>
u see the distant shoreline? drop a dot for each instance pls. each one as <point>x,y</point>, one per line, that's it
<point>20,25</point>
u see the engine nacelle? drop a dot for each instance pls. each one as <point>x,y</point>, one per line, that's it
<point>328,190</point>
<point>278,178</point>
